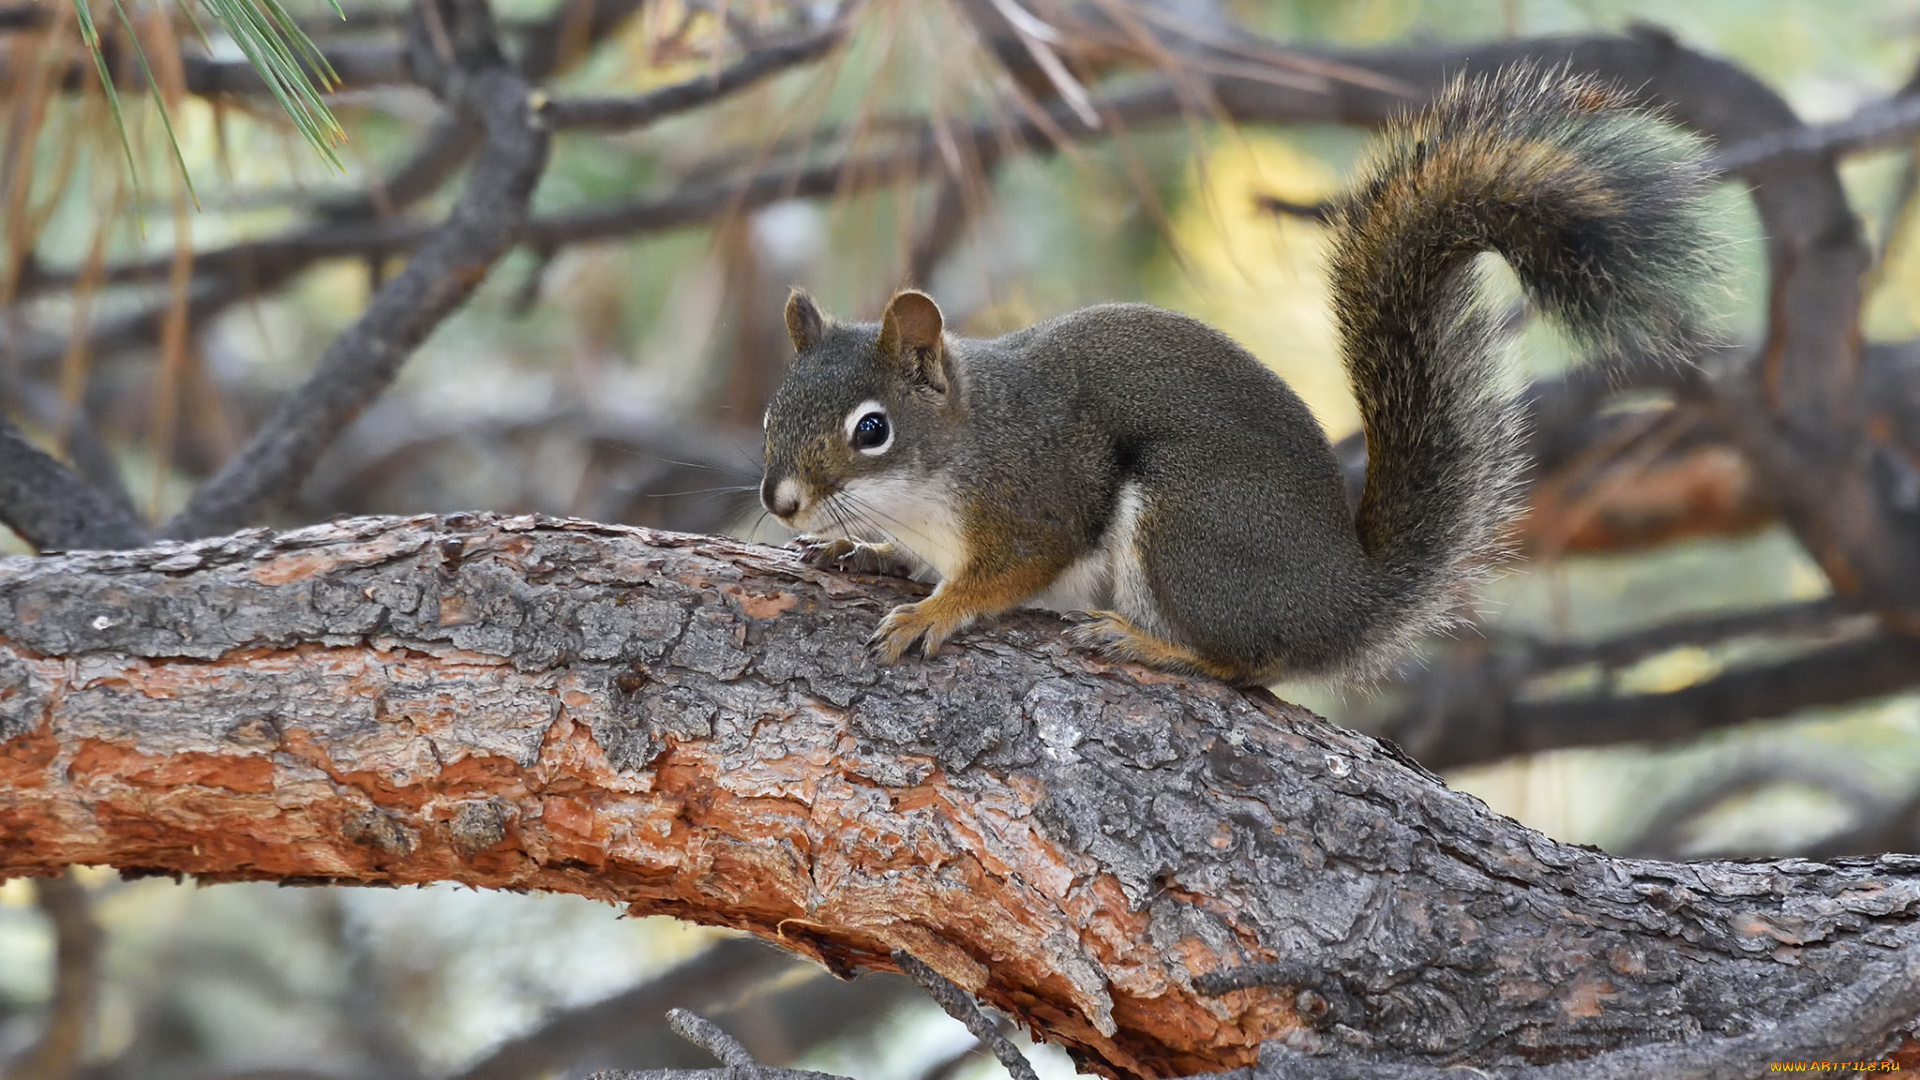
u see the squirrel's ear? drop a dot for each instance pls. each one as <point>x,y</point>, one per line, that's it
<point>805,324</point>
<point>910,333</point>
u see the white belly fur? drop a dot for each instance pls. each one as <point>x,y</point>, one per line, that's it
<point>916,515</point>
<point>1110,576</point>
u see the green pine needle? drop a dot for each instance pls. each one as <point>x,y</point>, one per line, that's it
<point>199,28</point>
<point>159,103</point>
<point>90,34</point>
<point>271,41</point>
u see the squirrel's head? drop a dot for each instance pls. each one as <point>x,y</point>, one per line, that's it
<point>862,404</point>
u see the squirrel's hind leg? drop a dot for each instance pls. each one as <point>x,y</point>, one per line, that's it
<point>1115,636</point>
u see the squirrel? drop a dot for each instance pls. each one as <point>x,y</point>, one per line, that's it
<point>1143,471</point>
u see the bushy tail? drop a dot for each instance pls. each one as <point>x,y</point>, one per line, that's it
<point>1596,205</point>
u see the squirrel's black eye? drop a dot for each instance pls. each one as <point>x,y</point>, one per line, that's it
<point>871,431</point>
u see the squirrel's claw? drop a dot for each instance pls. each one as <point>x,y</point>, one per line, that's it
<point>820,550</point>
<point>905,626</point>
<point>854,556</point>
<point>1099,631</point>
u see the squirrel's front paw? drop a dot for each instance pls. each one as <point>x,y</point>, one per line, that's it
<point>907,624</point>
<point>855,556</point>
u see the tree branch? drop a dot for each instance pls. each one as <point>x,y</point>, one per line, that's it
<point>651,460</point>
<point>1664,836</point>
<point>57,1054</point>
<point>1473,705</point>
<point>1882,123</point>
<point>51,507</point>
<point>360,363</point>
<point>1811,618</point>
<point>1849,1025</point>
<point>1474,714</point>
<point>758,1072</point>
<point>92,458</point>
<point>707,1035</point>
<point>356,66</point>
<point>546,47</point>
<point>955,1003</point>
<point>689,725</point>
<point>762,63</point>
<point>229,274</point>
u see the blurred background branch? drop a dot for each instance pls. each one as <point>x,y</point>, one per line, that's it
<point>71,1008</point>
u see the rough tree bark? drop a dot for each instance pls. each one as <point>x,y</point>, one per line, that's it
<point>688,725</point>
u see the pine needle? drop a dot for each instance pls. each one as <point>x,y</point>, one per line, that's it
<point>159,102</point>
<point>90,34</point>
<point>272,42</point>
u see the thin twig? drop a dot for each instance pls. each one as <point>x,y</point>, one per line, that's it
<point>1664,835</point>
<point>707,1035</point>
<point>955,206</point>
<point>625,113</point>
<point>357,66</point>
<point>1279,207</point>
<point>914,154</point>
<point>452,138</point>
<point>948,1067</point>
<point>960,1005</point>
<point>27,16</point>
<point>1890,827</point>
<point>711,976</point>
<point>1481,720</point>
<point>1844,1025</point>
<point>1804,619</point>
<point>731,1072</point>
<point>1894,221</point>
<point>91,456</point>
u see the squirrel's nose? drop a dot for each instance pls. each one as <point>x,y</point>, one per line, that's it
<point>782,497</point>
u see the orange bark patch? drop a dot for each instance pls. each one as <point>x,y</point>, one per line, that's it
<point>756,606</point>
<point>298,566</point>
<point>1585,998</point>
<point>568,815</point>
<point>24,759</point>
<point>454,611</point>
<point>103,761</point>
